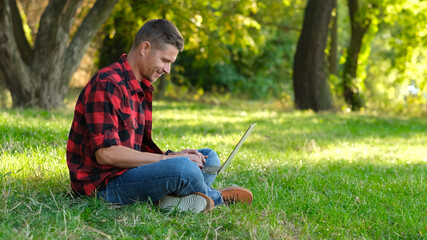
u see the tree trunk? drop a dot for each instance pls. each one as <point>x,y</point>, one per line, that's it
<point>39,76</point>
<point>333,53</point>
<point>310,84</point>
<point>359,26</point>
<point>15,72</point>
<point>3,96</point>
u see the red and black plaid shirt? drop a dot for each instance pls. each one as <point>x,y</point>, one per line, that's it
<point>113,109</point>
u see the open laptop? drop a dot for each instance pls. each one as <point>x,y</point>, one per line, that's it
<point>219,169</point>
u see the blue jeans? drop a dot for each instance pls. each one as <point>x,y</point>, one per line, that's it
<point>176,176</point>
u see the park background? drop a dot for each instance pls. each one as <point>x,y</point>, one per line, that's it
<point>360,55</point>
<point>338,89</point>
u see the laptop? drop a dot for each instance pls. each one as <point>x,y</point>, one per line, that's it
<point>219,169</point>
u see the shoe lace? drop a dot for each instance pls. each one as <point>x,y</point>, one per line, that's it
<point>230,199</point>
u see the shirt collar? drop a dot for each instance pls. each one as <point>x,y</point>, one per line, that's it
<point>147,85</point>
<point>134,85</point>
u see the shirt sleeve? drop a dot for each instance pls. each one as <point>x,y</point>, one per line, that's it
<point>102,107</point>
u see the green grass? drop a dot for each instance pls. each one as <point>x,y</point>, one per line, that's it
<point>315,176</point>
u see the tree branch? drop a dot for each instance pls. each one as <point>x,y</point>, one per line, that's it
<point>54,30</point>
<point>353,7</point>
<point>14,70</point>
<point>18,31</point>
<point>84,35</point>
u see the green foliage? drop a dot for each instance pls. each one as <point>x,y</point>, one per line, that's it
<point>119,32</point>
<point>242,47</point>
<point>246,48</point>
<point>391,58</point>
<point>314,176</point>
<point>399,47</point>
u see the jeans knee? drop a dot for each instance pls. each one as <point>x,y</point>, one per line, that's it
<point>184,167</point>
<point>213,158</point>
<point>185,176</point>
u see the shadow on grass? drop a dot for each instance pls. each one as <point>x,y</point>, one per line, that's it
<point>340,199</point>
<point>358,199</point>
<point>325,201</point>
<point>19,138</point>
<point>291,132</point>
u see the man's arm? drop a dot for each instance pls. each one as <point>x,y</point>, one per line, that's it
<point>124,157</point>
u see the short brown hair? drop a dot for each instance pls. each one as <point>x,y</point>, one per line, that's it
<point>159,32</point>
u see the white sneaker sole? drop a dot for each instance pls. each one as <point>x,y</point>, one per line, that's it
<point>191,203</point>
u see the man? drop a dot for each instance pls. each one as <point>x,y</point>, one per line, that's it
<point>110,152</point>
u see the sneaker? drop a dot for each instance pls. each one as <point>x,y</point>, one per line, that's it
<point>234,194</point>
<point>196,202</point>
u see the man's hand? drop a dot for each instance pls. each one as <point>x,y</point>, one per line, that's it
<point>193,155</point>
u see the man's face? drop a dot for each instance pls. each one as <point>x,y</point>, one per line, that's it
<point>156,62</point>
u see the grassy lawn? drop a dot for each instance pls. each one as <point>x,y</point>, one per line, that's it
<point>316,176</point>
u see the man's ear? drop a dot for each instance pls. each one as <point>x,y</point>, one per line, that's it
<point>144,47</point>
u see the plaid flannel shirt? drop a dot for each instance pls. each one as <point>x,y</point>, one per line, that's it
<point>113,109</point>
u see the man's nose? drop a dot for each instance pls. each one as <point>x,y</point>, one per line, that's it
<point>167,68</point>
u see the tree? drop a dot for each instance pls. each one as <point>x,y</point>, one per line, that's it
<point>218,34</point>
<point>310,86</point>
<point>333,48</point>
<point>360,22</point>
<point>398,58</point>
<point>38,76</point>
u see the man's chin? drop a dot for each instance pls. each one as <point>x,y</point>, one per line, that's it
<point>151,79</point>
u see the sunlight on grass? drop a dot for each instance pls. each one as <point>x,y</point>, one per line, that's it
<point>325,175</point>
